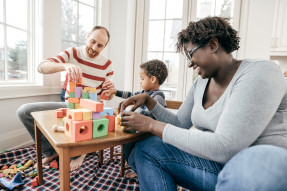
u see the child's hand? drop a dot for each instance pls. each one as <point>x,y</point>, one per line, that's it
<point>109,93</point>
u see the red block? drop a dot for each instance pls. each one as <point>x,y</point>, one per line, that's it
<point>104,97</point>
<point>35,181</point>
<point>79,130</point>
<point>111,122</point>
<point>59,114</point>
<point>54,164</point>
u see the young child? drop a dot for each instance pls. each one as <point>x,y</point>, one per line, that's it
<point>152,74</point>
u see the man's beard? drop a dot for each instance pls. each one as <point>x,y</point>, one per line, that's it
<point>91,53</point>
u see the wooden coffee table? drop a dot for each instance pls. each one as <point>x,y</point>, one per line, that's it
<point>66,148</point>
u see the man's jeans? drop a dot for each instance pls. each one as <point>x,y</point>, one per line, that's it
<point>24,114</point>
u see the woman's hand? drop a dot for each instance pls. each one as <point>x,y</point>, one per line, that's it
<point>138,122</point>
<point>74,72</point>
<point>108,85</point>
<point>109,93</point>
<point>136,101</point>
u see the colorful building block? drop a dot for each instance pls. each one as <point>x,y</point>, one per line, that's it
<point>92,105</point>
<point>77,106</point>
<point>72,95</point>
<point>107,111</point>
<point>72,86</point>
<point>54,164</point>
<point>100,127</point>
<point>87,114</point>
<point>85,95</point>
<point>104,97</point>
<point>35,181</point>
<point>96,115</point>
<point>75,114</point>
<point>71,105</point>
<point>93,96</point>
<point>74,100</point>
<point>79,130</point>
<point>118,119</point>
<point>78,92</point>
<point>90,89</point>
<point>64,110</point>
<point>59,114</point>
<point>111,122</point>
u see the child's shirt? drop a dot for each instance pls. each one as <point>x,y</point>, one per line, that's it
<point>157,95</point>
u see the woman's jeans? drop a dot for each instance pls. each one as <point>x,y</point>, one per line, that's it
<point>24,114</point>
<point>161,166</point>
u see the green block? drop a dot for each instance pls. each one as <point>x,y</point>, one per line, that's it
<point>85,95</point>
<point>72,94</point>
<point>72,105</point>
<point>100,127</point>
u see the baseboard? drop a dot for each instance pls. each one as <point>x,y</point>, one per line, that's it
<point>15,139</point>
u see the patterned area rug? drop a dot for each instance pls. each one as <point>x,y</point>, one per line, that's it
<point>89,177</point>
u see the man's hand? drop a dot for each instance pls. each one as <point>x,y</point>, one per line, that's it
<point>108,85</point>
<point>74,72</point>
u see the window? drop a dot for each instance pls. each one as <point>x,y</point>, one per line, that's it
<point>163,19</point>
<point>16,42</point>
<point>78,18</point>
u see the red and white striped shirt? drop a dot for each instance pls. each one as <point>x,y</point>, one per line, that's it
<point>95,70</point>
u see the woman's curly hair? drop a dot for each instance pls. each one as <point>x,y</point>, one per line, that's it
<point>155,68</point>
<point>202,31</point>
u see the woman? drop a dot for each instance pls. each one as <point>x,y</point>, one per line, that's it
<point>233,104</point>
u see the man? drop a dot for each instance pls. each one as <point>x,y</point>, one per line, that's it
<point>83,64</point>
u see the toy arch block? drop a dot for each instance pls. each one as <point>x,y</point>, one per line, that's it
<point>100,127</point>
<point>79,130</point>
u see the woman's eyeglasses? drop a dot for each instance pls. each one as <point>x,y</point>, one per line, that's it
<point>190,53</point>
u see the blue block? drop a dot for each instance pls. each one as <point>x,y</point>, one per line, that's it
<point>107,111</point>
<point>93,96</point>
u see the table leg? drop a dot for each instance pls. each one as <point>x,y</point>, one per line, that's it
<point>111,154</point>
<point>101,157</point>
<point>64,160</point>
<point>39,153</point>
<point>123,162</point>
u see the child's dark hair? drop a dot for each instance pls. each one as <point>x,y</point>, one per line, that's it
<point>202,31</point>
<point>155,68</point>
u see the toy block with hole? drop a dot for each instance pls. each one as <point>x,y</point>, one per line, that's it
<point>75,114</point>
<point>67,126</point>
<point>100,127</point>
<point>78,92</point>
<point>72,86</point>
<point>96,115</point>
<point>59,114</point>
<point>80,130</point>
<point>74,100</point>
<point>111,122</point>
<point>92,105</point>
<point>93,96</point>
<point>90,89</point>
<point>87,114</point>
<point>107,111</point>
<point>85,95</point>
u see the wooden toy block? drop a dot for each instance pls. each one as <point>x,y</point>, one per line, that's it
<point>75,114</point>
<point>81,130</point>
<point>74,100</point>
<point>90,89</point>
<point>107,111</point>
<point>77,106</point>
<point>93,96</point>
<point>100,127</point>
<point>92,105</point>
<point>111,122</point>
<point>87,114</point>
<point>104,97</point>
<point>118,119</point>
<point>96,115</point>
<point>72,94</point>
<point>85,95</point>
<point>35,181</point>
<point>78,92</point>
<point>59,114</point>
<point>54,164</point>
<point>72,86</point>
<point>115,111</point>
